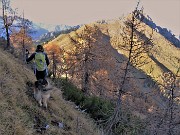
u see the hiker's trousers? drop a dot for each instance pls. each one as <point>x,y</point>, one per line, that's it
<point>40,74</point>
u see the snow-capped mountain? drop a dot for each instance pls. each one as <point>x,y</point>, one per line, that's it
<point>55,28</point>
<point>43,30</point>
<point>59,29</point>
<point>39,29</point>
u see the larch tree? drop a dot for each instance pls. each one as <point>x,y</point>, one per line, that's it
<point>26,40</point>
<point>20,37</point>
<point>54,53</point>
<point>136,46</point>
<point>170,86</point>
<point>8,16</point>
<point>84,44</point>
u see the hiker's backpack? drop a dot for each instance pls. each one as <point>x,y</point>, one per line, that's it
<point>40,61</point>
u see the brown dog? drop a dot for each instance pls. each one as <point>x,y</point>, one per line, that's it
<point>42,92</point>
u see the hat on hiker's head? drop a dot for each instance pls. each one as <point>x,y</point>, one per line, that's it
<point>39,48</point>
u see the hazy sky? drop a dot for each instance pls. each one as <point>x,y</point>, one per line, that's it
<point>165,13</point>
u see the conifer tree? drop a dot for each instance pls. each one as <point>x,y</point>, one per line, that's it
<point>136,46</point>
<point>84,44</point>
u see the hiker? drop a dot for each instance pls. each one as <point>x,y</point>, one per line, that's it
<point>41,62</point>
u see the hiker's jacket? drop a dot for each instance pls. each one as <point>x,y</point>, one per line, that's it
<point>34,55</point>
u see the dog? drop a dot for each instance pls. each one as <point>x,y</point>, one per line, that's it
<point>42,92</point>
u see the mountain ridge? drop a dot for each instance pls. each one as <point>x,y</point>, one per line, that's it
<point>163,31</point>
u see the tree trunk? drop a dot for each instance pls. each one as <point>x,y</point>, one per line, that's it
<point>8,38</point>
<point>86,76</point>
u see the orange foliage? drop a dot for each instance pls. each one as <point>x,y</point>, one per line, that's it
<point>53,48</point>
<point>19,38</point>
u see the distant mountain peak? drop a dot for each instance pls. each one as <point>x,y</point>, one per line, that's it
<point>39,29</point>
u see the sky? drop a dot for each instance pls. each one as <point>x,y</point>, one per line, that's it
<point>165,13</point>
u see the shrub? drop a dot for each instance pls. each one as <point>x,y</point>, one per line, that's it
<point>98,108</point>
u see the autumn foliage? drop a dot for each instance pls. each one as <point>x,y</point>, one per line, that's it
<point>20,39</point>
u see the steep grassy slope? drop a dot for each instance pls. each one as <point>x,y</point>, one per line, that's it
<point>20,114</point>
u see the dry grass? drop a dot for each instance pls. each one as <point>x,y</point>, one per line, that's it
<point>18,107</point>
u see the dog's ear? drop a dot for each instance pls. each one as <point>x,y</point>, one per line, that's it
<point>45,82</point>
